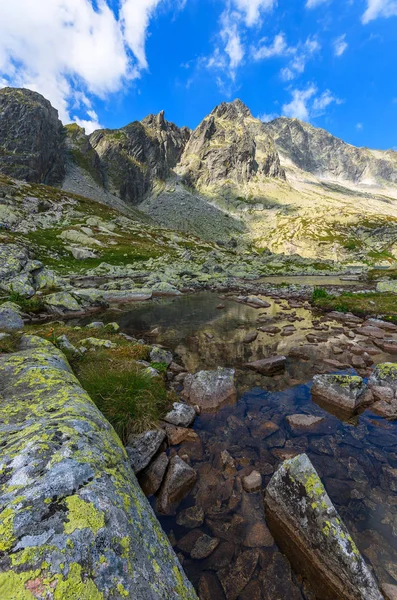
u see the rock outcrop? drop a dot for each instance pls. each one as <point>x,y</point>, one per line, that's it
<point>74,522</point>
<point>310,531</point>
<point>316,151</point>
<point>31,137</point>
<point>229,144</point>
<point>139,155</point>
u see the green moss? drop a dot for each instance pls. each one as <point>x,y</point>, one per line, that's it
<point>83,515</point>
<point>7,538</point>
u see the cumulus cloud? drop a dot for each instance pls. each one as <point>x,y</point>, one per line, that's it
<point>307,103</point>
<point>253,9</point>
<point>379,8</point>
<point>340,45</point>
<point>298,55</point>
<point>278,47</point>
<point>67,49</point>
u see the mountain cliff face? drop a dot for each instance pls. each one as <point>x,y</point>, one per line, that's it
<point>136,156</point>
<point>318,152</point>
<point>229,145</point>
<point>31,137</point>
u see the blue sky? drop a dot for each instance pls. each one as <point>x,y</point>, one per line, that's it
<point>106,63</point>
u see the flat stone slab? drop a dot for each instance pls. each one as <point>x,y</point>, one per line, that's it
<point>268,366</point>
<point>301,423</point>
<point>310,531</point>
<point>143,447</point>
<point>344,391</point>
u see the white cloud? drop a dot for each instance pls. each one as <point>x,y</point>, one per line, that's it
<point>267,117</point>
<point>252,9</point>
<point>299,55</point>
<point>278,47</point>
<point>231,38</point>
<point>340,45</point>
<point>379,8</point>
<point>359,126</point>
<point>65,48</point>
<point>314,3</point>
<point>306,103</point>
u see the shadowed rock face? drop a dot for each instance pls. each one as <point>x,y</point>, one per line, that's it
<point>229,144</point>
<point>74,522</point>
<point>318,152</point>
<point>138,155</point>
<point>31,137</point>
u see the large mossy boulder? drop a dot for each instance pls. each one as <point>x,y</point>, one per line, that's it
<point>310,531</point>
<point>74,522</point>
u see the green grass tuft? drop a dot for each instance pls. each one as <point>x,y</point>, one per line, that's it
<point>319,293</point>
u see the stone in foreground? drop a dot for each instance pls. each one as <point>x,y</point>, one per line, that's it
<point>178,482</point>
<point>347,392</point>
<point>143,447</point>
<point>181,415</point>
<point>151,478</point>
<point>268,366</point>
<point>210,389</point>
<point>10,320</point>
<point>384,375</point>
<point>74,522</point>
<point>309,530</point>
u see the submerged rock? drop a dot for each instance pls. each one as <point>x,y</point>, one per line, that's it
<point>309,530</point>
<point>210,389</point>
<point>143,447</point>
<point>178,482</point>
<point>268,366</point>
<point>74,522</point>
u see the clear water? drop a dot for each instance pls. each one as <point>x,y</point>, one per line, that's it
<point>357,460</point>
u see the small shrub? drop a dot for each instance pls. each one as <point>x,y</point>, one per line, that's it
<point>30,305</point>
<point>129,397</point>
<point>320,293</point>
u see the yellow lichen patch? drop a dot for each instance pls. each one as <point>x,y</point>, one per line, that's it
<point>83,515</point>
<point>314,486</point>
<point>73,587</point>
<point>13,585</point>
<point>7,529</point>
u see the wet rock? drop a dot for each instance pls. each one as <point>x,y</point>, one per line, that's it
<point>228,463</point>
<point>177,435</point>
<point>143,447</point>
<point>235,578</point>
<point>209,587</point>
<point>258,536</point>
<point>152,477</point>
<point>221,557</point>
<point>187,542</point>
<point>181,415</point>
<point>345,391</point>
<point>389,591</point>
<point>250,337</point>
<point>263,429</point>
<point>301,423</point>
<point>159,355</point>
<point>268,366</point>
<point>10,320</point>
<point>251,592</point>
<point>178,482</point>
<point>309,530</point>
<point>276,579</point>
<point>191,517</point>
<point>253,482</point>
<point>210,389</point>
<point>203,547</point>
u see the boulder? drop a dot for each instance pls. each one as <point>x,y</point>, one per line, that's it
<point>181,415</point>
<point>301,423</point>
<point>210,389</point>
<point>347,392</point>
<point>191,517</point>
<point>152,477</point>
<point>165,289</point>
<point>250,337</point>
<point>141,448</point>
<point>235,577</point>
<point>82,253</point>
<point>268,366</point>
<point>387,286</point>
<point>204,546</point>
<point>178,482</point>
<point>93,342</point>
<point>64,344</point>
<point>384,375</point>
<point>256,302</point>
<point>10,320</point>
<point>309,530</point>
<point>159,355</point>
<point>74,522</point>
<point>61,302</point>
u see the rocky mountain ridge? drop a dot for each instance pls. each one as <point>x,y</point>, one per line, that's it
<point>285,185</point>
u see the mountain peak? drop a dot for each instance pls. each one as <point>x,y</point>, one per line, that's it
<point>232,110</point>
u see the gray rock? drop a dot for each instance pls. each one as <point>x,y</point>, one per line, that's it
<point>64,344</point>
<point>210,389</point>
<point>152,477</point>
<point>159,355</point>
<point>10,320</point>
<point>384,375</point>
<point>309,530</point>
<point>191,517</point>
<point>61,302</point>
<point>204,546</point>
<point>74,518</point>
<point>143,447</point>
<point>344,391</point>
<point>82,253</point>
<point>181,415</point>
<point>178,482</point>
<point>95,325</point>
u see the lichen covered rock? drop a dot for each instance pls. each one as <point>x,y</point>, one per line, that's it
<point>346,392</point>
<point>73,520</point>
<point>61,302</point>
<point>210,389</point>
<point>310,531</point>
<point>10,320</point>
